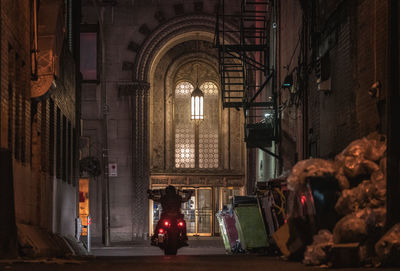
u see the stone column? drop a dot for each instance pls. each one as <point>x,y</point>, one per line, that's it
<point>138,95</point>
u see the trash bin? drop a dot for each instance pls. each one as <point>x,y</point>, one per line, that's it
<point>325,192</point>
<point>227,225</point>
<point>272,204</point>
<point>249,223</point>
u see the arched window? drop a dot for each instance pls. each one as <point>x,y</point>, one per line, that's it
<point>208,129</point>
<point>196,144</point>
<point>184,129</point>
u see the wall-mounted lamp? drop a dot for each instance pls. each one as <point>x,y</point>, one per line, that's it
<point>375,89</point>
<point>288,81</point>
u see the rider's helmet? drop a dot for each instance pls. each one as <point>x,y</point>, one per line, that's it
<point>170,190</point>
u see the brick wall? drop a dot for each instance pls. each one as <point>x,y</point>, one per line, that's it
<point>353,34</point>
<point>15,78</point>
<point>288,49</point>
<point>372,31</point>
<point>27,127</point>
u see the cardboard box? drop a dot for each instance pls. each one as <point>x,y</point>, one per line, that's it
<point>281,236</point>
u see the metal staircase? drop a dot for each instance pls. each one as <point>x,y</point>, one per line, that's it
<point>242,42</point>
<point>232,73</point>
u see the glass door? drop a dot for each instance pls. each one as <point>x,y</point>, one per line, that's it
<point>198,212</point>
<point>189,211</point>
<point>84,203</point>
<point>204,211</point>
<point>200,209</point>
<point>156,214</point>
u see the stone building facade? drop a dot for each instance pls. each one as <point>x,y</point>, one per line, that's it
<point>148,49</point>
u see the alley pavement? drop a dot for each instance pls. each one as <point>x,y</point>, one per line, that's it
<point>166,263</point>
<point>203,254</point>
<point>140,247</point>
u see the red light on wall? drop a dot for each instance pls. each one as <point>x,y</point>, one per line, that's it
<point>161,230</point>
<point>180,224</point>
<point>166,223</point>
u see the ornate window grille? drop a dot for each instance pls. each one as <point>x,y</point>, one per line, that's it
<point>196,144</point>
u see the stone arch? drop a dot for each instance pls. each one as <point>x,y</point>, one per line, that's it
<point>144,145</point>
<point>169,34</point>
<point>172,77</point>
<point>167,88</point>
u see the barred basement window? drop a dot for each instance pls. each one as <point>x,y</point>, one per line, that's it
<point>44,136</point>
<point>17,127</point>
<point>10,116</point>
<point>69,153</point>
<point>64,149</point>
<point>196,147</point>
<point>58,144</point>
<point>52,124</point>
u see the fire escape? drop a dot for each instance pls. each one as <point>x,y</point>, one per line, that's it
<point>247,81</point>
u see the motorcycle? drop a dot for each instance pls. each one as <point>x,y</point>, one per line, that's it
<point>170,234</point>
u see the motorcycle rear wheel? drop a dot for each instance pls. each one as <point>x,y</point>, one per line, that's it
<point>171,247</point>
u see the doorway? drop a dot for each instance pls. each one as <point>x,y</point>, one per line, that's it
<point>198,212</point>
<point>84,203</point>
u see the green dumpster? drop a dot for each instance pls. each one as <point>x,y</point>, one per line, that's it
<point>249,223</point>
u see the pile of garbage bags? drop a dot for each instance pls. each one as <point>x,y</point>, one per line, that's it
<point>388,247</point>
<point>360,173</point>
<point>317,253</point>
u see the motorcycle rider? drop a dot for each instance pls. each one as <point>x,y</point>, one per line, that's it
<point>171,206</point>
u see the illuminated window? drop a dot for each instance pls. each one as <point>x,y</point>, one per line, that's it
<point>208,130</point>
<point>184,130</point>
<point>206,154</point>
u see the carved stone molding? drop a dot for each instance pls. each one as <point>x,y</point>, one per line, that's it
<point>167,31</point>
<point>197,180</point>
<point>137,93</point>
<point>133,88</point>
<point>160,17</point>
<point>127,66</point>
<point>133,46</point>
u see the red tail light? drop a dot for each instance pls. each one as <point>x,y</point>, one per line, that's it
<point>181,224</point>
<point>303,199</point>
<point>166,223</point>
<point>161,230</point>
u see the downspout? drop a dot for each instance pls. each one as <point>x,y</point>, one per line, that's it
<point>76,11</point>
<point>275,90</point>
<point>304,75</point>
<point>104,121</point>
<point>279,168</point>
